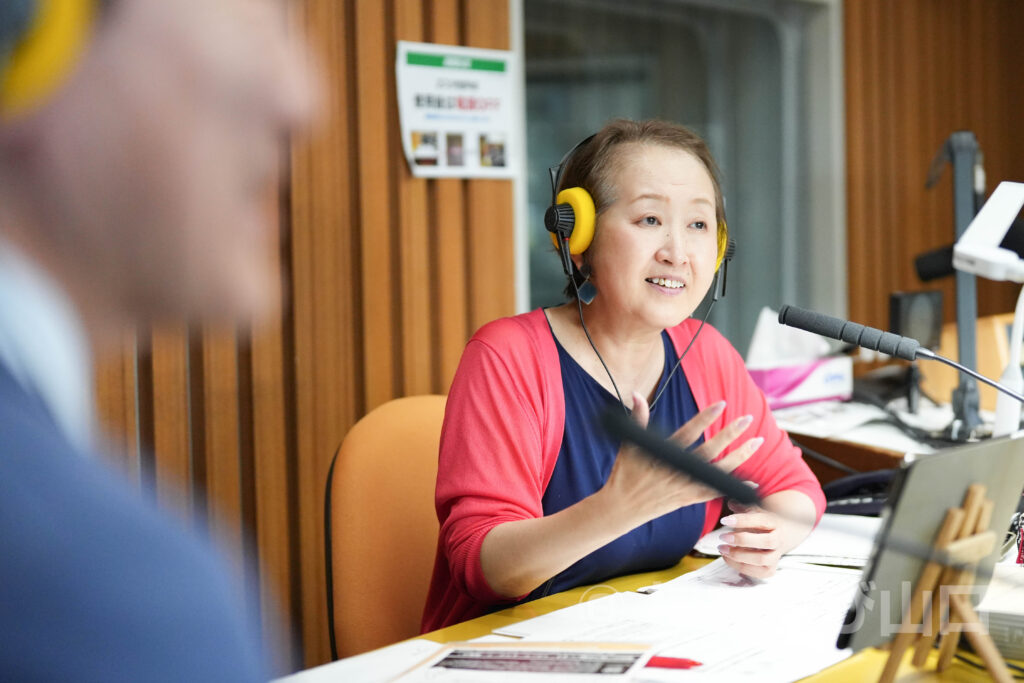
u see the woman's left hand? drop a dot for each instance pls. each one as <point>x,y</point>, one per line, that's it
<point>755,544</point>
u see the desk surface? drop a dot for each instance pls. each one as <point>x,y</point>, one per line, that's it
<point>866,665</point>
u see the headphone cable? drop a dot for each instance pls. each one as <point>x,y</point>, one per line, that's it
<point>579,307</point>
<point>681,357</point>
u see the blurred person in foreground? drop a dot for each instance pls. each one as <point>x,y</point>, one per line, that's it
<point>138,143</point>
<point>533,496</point>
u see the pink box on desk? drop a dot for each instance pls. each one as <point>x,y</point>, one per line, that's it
<point>820,380</point>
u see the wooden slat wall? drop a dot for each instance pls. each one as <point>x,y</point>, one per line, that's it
<point>917,70</point>
<point>384,278</point>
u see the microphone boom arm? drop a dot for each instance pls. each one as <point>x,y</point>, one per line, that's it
<point>925,353</point>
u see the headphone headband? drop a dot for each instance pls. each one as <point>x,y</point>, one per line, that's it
<point>555,172</point>
<point>571,219</point>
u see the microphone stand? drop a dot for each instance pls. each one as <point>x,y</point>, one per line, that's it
<point>1007,413</point>
<point>961,150</point>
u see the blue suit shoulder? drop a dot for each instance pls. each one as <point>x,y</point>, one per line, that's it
<point>98,584</point>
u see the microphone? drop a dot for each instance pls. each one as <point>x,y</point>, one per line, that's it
<point>851,333</point>
<point>931,265</point>
<point>938,263</point>
<point>876,340</point>
<point>723,270</point>
<point>622,427</point>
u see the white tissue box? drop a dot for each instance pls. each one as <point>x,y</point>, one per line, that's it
<point>824,379</point>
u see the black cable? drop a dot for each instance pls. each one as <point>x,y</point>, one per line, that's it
<point>685,351</point>
<point>579,307</point>
<point>965,646</point>
<point>934,439</point>
<point>824,459</point>
<point>1019,675</point>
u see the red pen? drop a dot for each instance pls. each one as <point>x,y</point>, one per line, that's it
<point>672,663</point>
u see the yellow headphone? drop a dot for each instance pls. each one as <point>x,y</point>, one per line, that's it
<point>572,217</point>
<point>40,41</point>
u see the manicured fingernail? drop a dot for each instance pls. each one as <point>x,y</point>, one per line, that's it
<point>729,521</point>
<point>745,421</point>
<point>728,538</point>
<point>756,443</point>
<point>716,408</point>
<point>724,549</point>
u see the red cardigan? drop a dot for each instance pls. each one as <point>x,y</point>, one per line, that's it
<point>503,429</point>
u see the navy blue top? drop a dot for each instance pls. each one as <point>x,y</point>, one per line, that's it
<point>96,583</point>
<point>584,462</point>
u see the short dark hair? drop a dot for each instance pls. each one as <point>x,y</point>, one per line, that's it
<point>590,167</point>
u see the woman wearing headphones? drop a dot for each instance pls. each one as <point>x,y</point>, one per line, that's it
<point>533,497</point>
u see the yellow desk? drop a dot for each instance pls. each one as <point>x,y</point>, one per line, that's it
<point>864,666</point>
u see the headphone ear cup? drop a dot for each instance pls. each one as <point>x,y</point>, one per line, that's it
<point>45,54</point>
<point>585,218</point>
<point>723,243</point>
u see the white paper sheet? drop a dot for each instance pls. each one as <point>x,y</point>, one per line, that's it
<point>843,540</point>
<point>824,419</point>
<point>779,629</point>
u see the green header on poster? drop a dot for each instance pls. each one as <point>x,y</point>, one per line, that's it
<point>455,62</point>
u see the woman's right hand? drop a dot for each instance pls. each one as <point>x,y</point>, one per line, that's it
<point>643,489</point>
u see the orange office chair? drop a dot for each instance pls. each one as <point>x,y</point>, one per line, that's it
<point>380,524</point>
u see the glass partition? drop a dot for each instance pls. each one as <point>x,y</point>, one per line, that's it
<point>742,74</point>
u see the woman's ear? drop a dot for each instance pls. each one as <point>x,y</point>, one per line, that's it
<point>581,262</point>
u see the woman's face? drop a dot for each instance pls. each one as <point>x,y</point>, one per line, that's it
<point>654,251</point>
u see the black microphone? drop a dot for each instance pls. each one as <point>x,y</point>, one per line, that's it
<point>876,340</point>
<point>622,427</point>
<point>931,265</point>
<point>851,333</point>
<point>938,263</point>
<point>723,270</point>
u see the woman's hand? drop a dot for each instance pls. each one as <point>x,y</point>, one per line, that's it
<point>754,546</point>
<point>643,489</point>
<point>759,538</point>
<point>518,556</point>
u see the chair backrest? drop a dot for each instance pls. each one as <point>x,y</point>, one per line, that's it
<point>381,528</point>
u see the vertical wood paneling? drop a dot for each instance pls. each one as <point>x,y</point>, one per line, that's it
<point>886,144</point>
<point>221,477</point>
<point>327,297</point>
<point>274,469</point>
<point>171,447</point>
<point>489,205</point>
<point>856,162</point>
<point>271,461</point>
<point>450,240</point>
<point>116,392</point>
<point>907,125</point>
<point>1009,58</point>
<point>916,71</point>
<point>384,277</point>
<point>414,274</point>
<point>449,248</point>
<point>375,201</point>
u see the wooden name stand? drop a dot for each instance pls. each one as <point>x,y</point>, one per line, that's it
<point>965,540</point>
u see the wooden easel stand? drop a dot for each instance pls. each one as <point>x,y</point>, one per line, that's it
<point>965,540</point>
